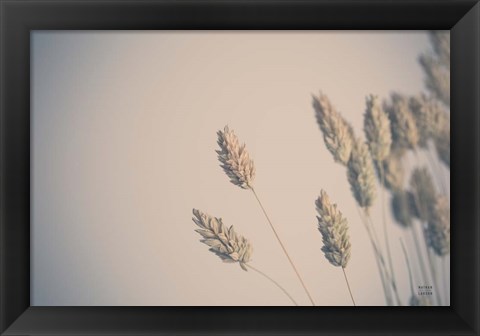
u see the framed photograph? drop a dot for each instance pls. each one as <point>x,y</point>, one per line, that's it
<point>239,167</point>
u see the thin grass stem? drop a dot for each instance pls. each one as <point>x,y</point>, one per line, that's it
<point>385,229</point>
<point>433,272</point>
<point>410,275</point>
<point>419,254</point>
<point>274,282</point>
<point>423,265</point>
<point>389,277</point>
<point>381,271</point>
<point>348,285</point>
<point>283,247</point>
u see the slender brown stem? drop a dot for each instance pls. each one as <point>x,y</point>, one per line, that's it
<point>276,283</point>
<point>348,285</point>
<point>410,275</point>
<point>377,259</point>
<point>385,230</point>
<point>423,265</point>
<point>283,248</point>
<point>420,256</point>
<point>433,271</point>
<point>389,277</point>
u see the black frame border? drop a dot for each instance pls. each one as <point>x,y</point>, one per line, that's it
<point>18,17</point>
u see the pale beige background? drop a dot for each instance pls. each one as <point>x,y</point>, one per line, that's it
<point>123,147</point>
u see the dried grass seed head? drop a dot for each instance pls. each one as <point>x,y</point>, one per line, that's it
<point>440,40</point>
<point>438,228</point>
<point>424,193</point>
<point>402,122</point>
<point>403,210</point>
<point>429,116</point>
<point>393,171</point>
<point>377,129</point>
<point>337,132</point>
<point>361,175</point>
<point>228,245</point>
<point>437,78</point>
<point>436,65</point>
<point>334,229</point>
<point>235,160</point>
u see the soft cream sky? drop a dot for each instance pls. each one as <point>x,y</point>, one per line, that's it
<point>123,147</point>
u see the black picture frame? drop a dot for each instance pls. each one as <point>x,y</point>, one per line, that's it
<point>19,17</point>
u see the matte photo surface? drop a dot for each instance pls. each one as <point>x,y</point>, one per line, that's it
<point>180,168</point>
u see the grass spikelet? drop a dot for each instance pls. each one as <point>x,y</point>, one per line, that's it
<point>235,159</point>
<point>440,41</point>
<point>402,122</point>
<point>238,166</point>
<point>403,207</point>
<point>438,78</point>
<point>424,193</point>
<point>361,175</point>
<point>415,300</point>
<point>377,129</point>
<point>394,173</point>
<point>337,133</point>
<point>429,116</point>
<point>222,240</point>
<point>334,229</point>
<point>436,66</point>
<point>438,228</point>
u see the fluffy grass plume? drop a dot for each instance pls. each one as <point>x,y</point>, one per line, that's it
<point>403,124</point>
<point>438,228</point>
<point>334,229</point>
<point>402,204</point>
<point>222,240</point>
<point>235,159</point>
<point>361,175</point>
<point>429,116</point>
<point>337,133</point>
<point>436,65</point>
<point>377,129</point>
<point>393,171</point>
<point>424,193</point>
<point>440,41</point>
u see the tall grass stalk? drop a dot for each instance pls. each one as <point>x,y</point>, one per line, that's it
<point>425,197</point>
<point>420,258</point>
<point>389,277</point>
<point>348,285</point>
<point>239,167</point>
<point>410,275</point>
<point>423,264</point>
<point>414,299</point>
<point>283,247</point>
<point>385,229</point>
<point>376,253</point>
